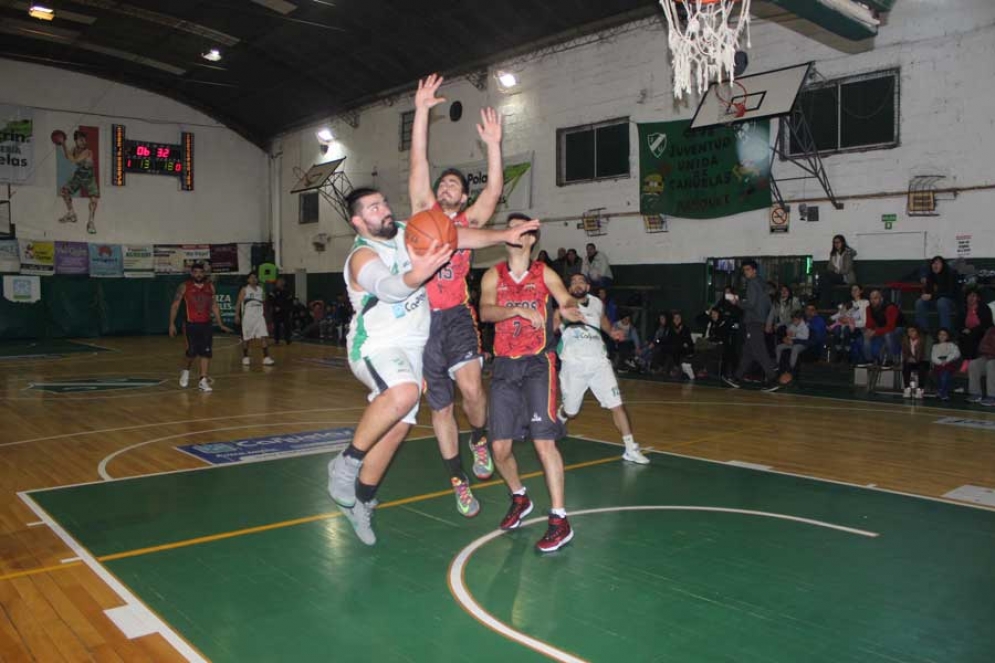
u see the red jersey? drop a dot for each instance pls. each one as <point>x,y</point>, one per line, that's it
<point>516,337</point>
<point>199,301</point>
<point>447,289</point>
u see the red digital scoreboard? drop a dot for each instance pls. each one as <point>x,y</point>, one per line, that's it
<point>141,156</point>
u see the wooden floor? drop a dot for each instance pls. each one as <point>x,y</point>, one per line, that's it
<point>52,605</point>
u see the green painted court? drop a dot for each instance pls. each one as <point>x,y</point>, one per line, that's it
<point>251,562</point>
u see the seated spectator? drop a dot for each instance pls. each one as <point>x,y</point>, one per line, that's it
<point>681,345</point>
<point>976,321</point>
<point>596,267</point>
<point>940,290</point>
<point>627,340</point>
<point>818,332</point>
<point>915,366</point>
<point>572,264</point>
<point>652,353</point>
<point>883,331</point>
<point>722,333</point>
<point>946,361</point>
<point>839,270</point>
<point>561,258</point>
<point>983,366</point>
<point>848,324</point>
<point>780,313</point>
<point>611,309</point>
<point>543,257</point>
<point>794,343</point>
<point>728,305</point>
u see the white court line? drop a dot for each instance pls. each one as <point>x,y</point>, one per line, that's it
<point>36,523</point>
<point>182,647</point>
<point>69,560</point>
<point>457,569</point>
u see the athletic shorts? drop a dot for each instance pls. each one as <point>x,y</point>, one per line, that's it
<point>389,368</point>
<point>577,376</point>
<point>200,337</point>
<point>453,342</point>
<point>254,326</point>
<point>523,399</point>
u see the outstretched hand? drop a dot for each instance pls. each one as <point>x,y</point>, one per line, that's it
<point>489,128</point>
<point>514,235</point>
<point>426,97</point>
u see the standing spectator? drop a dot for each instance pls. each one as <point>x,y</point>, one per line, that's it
<point>596,267</point>
<point>883,332</point>
<point>818,332</point>
<point>983,367</point>
<point>756,307</point>
<point>946,361</point>
<point>914,361</point>
<point>794,343</point>
<point>572,265</point>
<point>839,270</point>
<point>939,290</point>
<point>976,321</point>
<point>282,308</point>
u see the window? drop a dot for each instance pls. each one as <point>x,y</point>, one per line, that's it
<point>407,121</point>
<point>848,114</point>
<point>308,212</point>
<point>592,152</point>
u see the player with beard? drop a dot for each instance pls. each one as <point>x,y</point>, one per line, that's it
<point>517,296</point>
<point>453,352</point>
<point>386,340</point>
<point>585,365</point>
<point>197,295</point>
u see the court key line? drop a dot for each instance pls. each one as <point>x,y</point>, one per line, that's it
<point>457,569</point>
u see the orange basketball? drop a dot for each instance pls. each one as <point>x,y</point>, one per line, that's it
<point>428,226</point>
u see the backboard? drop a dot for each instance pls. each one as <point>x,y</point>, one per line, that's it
<point>754,97</point>
<point>316,176</point>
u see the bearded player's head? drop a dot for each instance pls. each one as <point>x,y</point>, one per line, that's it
<point>197,272</point>
<point>370,215</point>
<point>579,286</point>
<point>527,241</point>
<point>452,190</point>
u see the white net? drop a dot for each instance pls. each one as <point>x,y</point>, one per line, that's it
<point>703,38</point>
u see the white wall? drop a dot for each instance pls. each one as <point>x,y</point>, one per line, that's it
<point>231,187</point>
<point>944,48</point>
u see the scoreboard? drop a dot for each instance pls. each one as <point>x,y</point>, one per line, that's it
<point>142,156</point>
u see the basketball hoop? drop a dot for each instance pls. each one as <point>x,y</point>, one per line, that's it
<point>732,97</point>
<point>703,38</point>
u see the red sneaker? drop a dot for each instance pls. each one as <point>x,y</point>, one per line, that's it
<point>557,535</point>
<point>521,506</point>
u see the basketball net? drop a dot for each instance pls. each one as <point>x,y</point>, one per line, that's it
<point>703,39</point>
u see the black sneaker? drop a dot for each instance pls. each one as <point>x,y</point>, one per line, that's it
<point>731,382</point>
<point>521,506</point>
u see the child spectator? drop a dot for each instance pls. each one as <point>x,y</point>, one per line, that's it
<point>795,342</point>
<point>946,361</point>
<point>914,364</point>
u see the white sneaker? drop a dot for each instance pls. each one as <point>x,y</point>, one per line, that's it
<point>634,455</point>
<point>246,361</point>
<point>907,392</point>
<point>268,361</point>
<point>688,371</point>
<point>205,385</point>
<point>919,394</point>
<point>184,379</point>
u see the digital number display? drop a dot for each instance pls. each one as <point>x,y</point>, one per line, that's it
<point>139,156</point>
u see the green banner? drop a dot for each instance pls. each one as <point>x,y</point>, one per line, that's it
<point>703,174</point>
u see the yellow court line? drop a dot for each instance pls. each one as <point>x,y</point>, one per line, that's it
<point>322,516</point>
<point>44,569</point>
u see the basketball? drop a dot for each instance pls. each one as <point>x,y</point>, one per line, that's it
<point>428,226</point>
<point>58,137</point>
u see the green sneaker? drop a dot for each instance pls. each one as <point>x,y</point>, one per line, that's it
<point>483,463</point>
<point>466,503</point>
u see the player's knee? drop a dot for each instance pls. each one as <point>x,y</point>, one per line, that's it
<point>444,412</point>
<point>501,449</point>
<point>546,449</point>
<point>403,396</point>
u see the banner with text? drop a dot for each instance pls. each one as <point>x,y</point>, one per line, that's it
<point>517,193</point>
<point>72,258</point>
<point>226,296</point>
<point>703,174</point>
<point>138,261</point>
<point>224,258</point>
<point>37,257</point>
<point>17,158</point>
<point>257,448</point>
<point>106,261</point>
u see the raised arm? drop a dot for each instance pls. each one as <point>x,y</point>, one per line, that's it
<point>419,177</point>
<point>483,208</point>
<point>175,308</point>
<point>476,238</point>
<point>568,305</point>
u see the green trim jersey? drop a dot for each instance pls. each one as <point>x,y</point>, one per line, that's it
<point>583,340</point>
<point>378,325</point>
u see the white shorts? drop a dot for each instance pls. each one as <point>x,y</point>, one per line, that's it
<point>389,368</point>
<point>576,377</point>
<point>254,326</point>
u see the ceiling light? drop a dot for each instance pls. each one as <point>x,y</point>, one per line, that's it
<point>213,55</point>
<point>507,79</point>
<point>325,135</point>
<point>42,13</point>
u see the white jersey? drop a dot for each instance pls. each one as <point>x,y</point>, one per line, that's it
<point>377,325</point>
<point>253,301</point>
<point>583,341</point>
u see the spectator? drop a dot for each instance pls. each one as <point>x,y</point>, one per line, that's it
<point>780,313</point>
<point>281,308</point>
<point>756,308</point>
<point>983,366</point>
<point>883,332</point>
<point>719,357</point>
<point>728,305</point>
<point>561,259</point>
<point>543,257</point>
<point>839,270</point>
<point>572,265</point>
<point>596,267</point>
<point>976,321</point>
<point>946,361</point>
<point>627,339</point>
<point>848,323</point>
<point>939,291</point>
<point>915,367</point>
<point>794,343</point>
<point>817,332</point>
<point>681,346</point>
<point>652,354</point>
<point>608,304</point>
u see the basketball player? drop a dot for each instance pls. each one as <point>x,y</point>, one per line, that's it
<point>585,365</point>
<point>453,352</point>
<point>387,337</point>
<point>83,179</point>
<point>249,312</point>
<point>515,295</point>
<point>197,294</point>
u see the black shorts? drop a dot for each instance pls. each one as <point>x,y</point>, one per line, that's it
<point>200,336</point>
<point>523,398</point>
<point>453,341</point>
